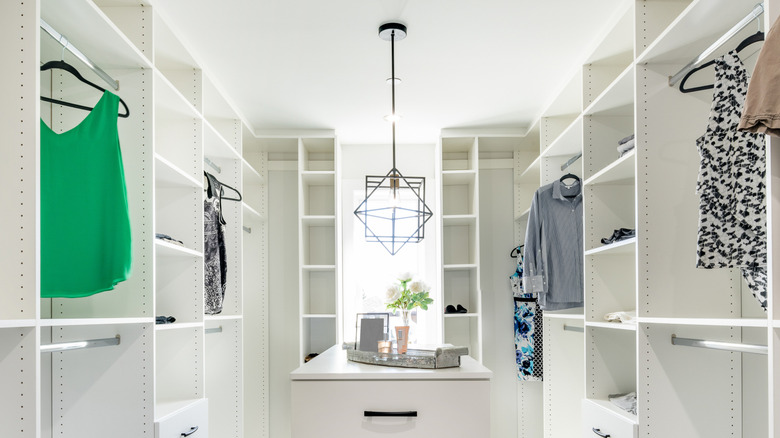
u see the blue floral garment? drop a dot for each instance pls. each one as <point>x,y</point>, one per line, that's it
<point>528,328</point>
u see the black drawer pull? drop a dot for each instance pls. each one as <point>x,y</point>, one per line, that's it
<point>600,433</point>
<point>389,414</point>
<point>192,430</point>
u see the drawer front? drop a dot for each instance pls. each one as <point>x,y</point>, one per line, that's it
<point>600,422</point>
<point>192,421</point>
<point>408,409</point>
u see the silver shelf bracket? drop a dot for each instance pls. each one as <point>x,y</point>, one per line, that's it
<point>571,161</point>
<point>212,165</point>
<point>214,330</point>
<point>719,345</point>
<point>573,328</point>
<point>78,345</point>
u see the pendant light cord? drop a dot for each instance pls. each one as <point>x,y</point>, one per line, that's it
<point>392,86</point>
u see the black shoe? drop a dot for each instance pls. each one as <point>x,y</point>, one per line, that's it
<point>626,233</point>
<point>611,239</point>
<point>462,309</point>
<point>450,309</point>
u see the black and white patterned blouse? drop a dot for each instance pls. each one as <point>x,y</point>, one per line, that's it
<point>731,185</point>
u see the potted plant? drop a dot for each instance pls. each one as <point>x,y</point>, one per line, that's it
<point>406,296</point>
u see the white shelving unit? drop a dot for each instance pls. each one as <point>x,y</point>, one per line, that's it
<point>319,245</point>
<point>159,378</point>
<point>622,89</point>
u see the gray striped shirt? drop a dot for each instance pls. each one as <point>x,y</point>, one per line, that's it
<point>552,264</point>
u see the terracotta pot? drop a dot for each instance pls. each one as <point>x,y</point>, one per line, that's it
<point>402,338</point>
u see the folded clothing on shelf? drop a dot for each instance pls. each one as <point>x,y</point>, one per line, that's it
<point>618,235</point>
<point>625,147</point>
<point>626,402</point>
<point>164,320</point>
<point>626,139</point>
<point>624,317</point>
<point>168,238</point>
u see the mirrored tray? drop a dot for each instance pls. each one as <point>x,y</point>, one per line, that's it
<point>446,356</point>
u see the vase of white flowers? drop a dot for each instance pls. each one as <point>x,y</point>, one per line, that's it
<point>404,297</point>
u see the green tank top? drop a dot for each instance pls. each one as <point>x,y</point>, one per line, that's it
<point>85,221</point>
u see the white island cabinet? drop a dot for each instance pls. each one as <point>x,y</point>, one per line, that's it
<point>334,397</point>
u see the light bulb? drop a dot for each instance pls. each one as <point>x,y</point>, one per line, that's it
<point>392,118</point>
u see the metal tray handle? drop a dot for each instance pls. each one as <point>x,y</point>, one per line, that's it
<point>389,414</point>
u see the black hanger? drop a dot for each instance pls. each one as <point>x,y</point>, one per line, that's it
<point>62,65</point>
<point>569,176</point>
<point>756,37</point>
<point>231,188</point>
<point>516,251</point>
<point>222,189</point>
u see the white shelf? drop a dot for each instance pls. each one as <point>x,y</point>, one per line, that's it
<point>67,322</point>
<point>619,94</point>
<point>622,247</point>
<point>531,174</point>
<point>223,317</point>
<point>621,171</point>
<point>318,220</point>
<point>458,177</point>
<point>318,177</point>
<point>166,249</point>
<point>251,175</point>
<point>459,219</point>
<point>460,267</point>
<point>523,216</point>
<point>566,314</point>
<point>318,316</point>
<point>170,101</point>
<point>461,315</point>
<point>169,175</point>
<point>89,29</point>
<point>612,325</point>
<point>251,211</point>
<point>215,145</point>
<point>568,143</point>
<point>678,43</point>
<point>171,408</point>
<point>614,410</point>
<point>177,326</point>
<point>321,268</point>
<point>719,322</point>
<point>16,323</point>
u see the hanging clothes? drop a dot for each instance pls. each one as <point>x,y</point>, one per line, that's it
<point>553,262</point>
<point>761,112</point>
<point>528,328</point>
<point>214,252</point>
<point>731,184</point>
<point>85,219</point>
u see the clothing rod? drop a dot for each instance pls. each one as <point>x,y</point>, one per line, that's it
<point>718,345</point>
<point>213,166</point>
<point>755,13</point>
<point>214,330</point>
<point>66,44</point>
<point>571,161</point>
<point>247,229</point>
<point>78,345</point>
<point>573,328</point>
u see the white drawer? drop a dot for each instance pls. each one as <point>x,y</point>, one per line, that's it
<point>451,408</point>
<point>603,419</point>
<point>190,419</point>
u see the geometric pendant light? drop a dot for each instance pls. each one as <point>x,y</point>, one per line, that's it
<point>394,212</point>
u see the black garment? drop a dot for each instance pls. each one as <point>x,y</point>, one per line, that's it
<point>214,252</point>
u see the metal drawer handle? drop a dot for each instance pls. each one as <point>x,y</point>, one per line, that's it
<point>192,430</point>
<point>600,433</point>
<point>389,414</point>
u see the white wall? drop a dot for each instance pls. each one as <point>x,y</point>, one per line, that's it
<point>283,293</point>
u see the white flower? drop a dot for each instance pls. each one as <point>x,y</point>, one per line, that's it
<point>406,276</point>
<point>416,287</point>
<point>393,293</point>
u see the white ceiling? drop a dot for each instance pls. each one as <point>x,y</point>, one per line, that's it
<point>319,64</point>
